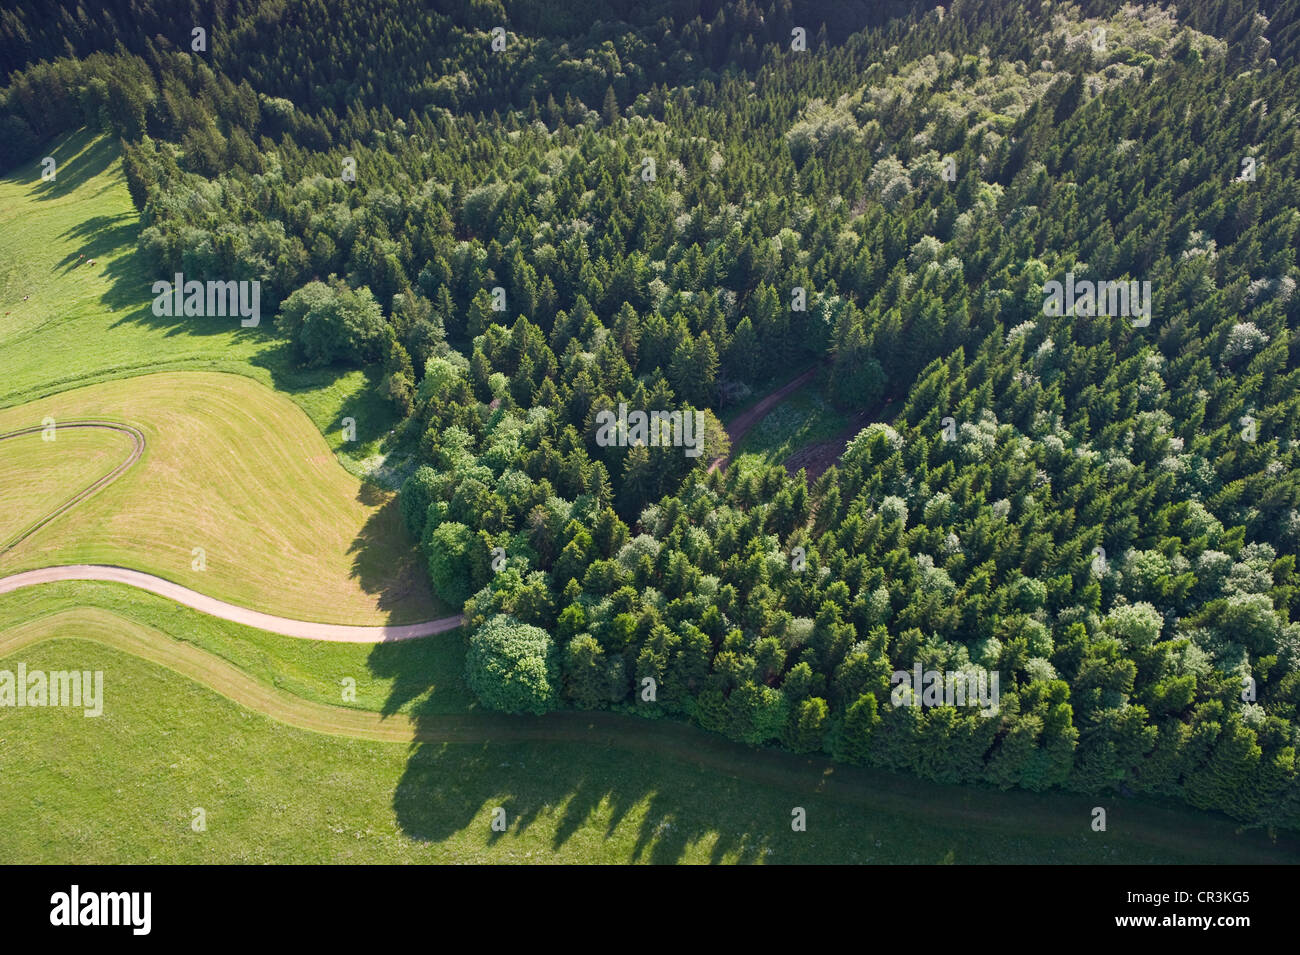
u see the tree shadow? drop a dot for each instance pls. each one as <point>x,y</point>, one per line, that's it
<point>573,777</point>
<point>658,789</point>
<point>78,159</point>
<point>131,294</point>
<point>97,237</point>
<point>386,562</point>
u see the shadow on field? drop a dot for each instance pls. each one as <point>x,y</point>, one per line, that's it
<point>371,413</point>
<point>98,236</point>
<point>615,767</point>
<point>437,798</point>
<point>386,562</point>
<point>76,163</point>
<point>688,785</point>
<point>130,292</point>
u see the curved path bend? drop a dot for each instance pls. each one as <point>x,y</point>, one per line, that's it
<point>137,438</point>
<point>305,629</point>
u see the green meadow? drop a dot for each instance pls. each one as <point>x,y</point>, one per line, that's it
<point>66,322</point>
<point>254,729</point>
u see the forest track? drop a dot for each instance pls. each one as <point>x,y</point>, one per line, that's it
<point>816,458</point>
<point>745,421</point>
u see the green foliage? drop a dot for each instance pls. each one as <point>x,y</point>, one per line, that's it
<point>331,323</point>
<point>807,724</point>
<point>1020,445</point>
<point>860,722</point>
<point>417,494</point>
<point>450,547</point>
<point>511,667</point>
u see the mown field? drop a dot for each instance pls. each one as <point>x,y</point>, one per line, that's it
<point>236,471</point>
<point>49,475</point>
<point>65,322</point>
<point>391,678</point>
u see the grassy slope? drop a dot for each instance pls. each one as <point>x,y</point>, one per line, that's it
<point>82,323</point>
<point>236,469</point>
<point>50,472</point>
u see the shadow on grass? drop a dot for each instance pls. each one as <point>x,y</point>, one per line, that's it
<point>387,563</point>
<point>78,159</point>
<point>97,237</point>
<point>429,669</point>
<point>373,417</point>
<point>131,294</point>
<point>689,786</point>
<point>527,782</point>
<point>604,771</point>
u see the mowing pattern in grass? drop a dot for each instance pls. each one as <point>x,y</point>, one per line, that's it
<point>236,470</point>
<point>38,476</point>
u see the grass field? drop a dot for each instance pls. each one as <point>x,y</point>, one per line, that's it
<point>49,472</point>
<point>64,322</point>
<point>389,678</point>
<point>238,471</point>
<point>214,720</point>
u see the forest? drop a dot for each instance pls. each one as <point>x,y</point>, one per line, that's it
<point>524,215</point>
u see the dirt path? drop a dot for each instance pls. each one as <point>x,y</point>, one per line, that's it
<point>982,808</point>
<point>333,632</point>
<point>817,458</point>
<point>137,450</point>
<point>743,422</point>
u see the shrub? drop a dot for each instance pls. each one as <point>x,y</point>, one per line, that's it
<point>511,667</point>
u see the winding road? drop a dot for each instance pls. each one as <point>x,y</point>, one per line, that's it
<point>870,790</point>
<point>307,630</point>
<point>304,629</point>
